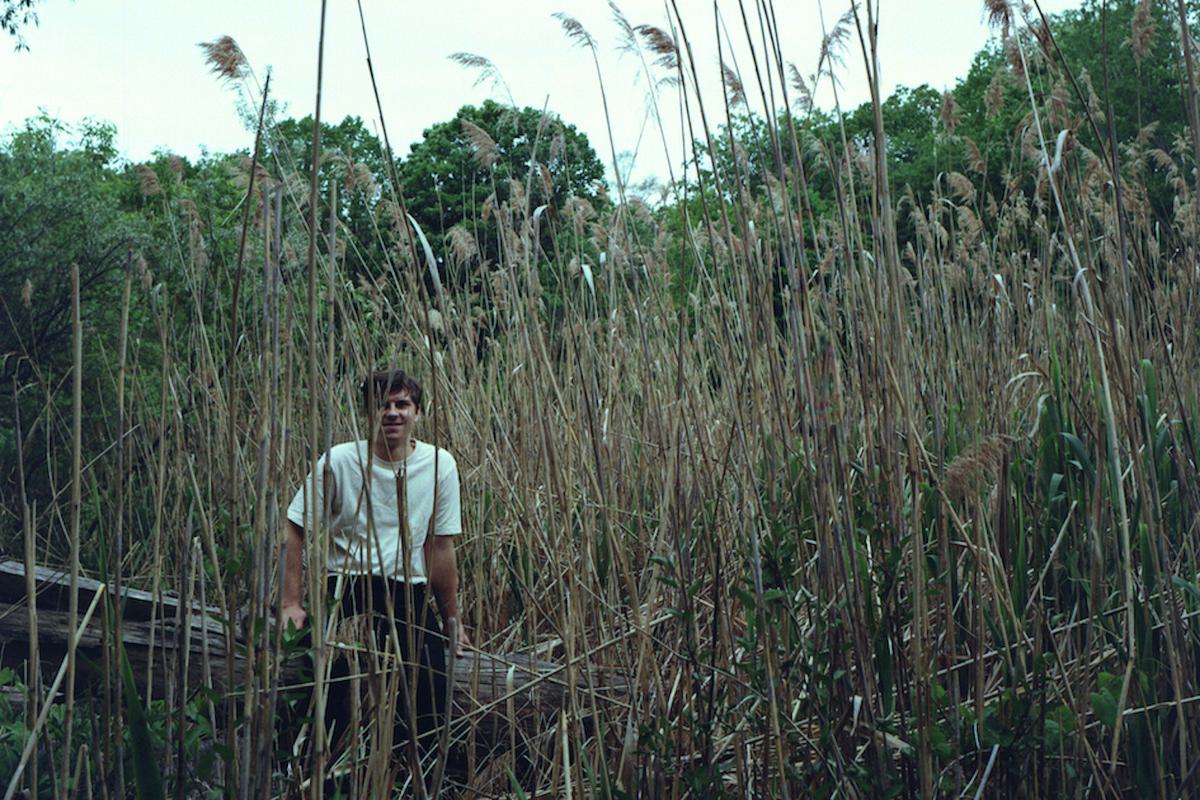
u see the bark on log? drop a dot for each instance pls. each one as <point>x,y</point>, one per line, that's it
<point>487,687</point>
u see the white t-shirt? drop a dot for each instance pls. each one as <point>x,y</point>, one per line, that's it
<point>365,530</point>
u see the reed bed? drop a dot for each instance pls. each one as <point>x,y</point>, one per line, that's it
<point>898,500</point>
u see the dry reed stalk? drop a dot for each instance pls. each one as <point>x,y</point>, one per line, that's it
<point>76,502</point>
<point>1082,285</point>
<point>601,467</point>
<point>63,672</point>
<point>160,478</point>
<point>33,680</point>
<point>118,561</point>
<point>314,540</point>
<point>231,402</point>
<point>1193,99</point>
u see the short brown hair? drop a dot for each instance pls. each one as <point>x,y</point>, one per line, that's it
<point>383,382</point>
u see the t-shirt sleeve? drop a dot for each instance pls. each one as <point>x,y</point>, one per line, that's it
<point>300,509</point>
<point>448,514</point>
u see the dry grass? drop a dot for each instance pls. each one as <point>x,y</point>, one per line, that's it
<point>845,522</point>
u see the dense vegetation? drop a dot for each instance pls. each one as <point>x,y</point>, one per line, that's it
<point>867,458</point>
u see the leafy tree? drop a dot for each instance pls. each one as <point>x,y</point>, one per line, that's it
<point>1141,60</point>
<point>917,147</point>
<point>354,159</point>
<point>15,15</point>
<point>452,172</point>
<point>59,206</point>
<point>66,199</point>
<point>1121,54</point>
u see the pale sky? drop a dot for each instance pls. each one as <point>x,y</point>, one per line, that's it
<point>136,63</point>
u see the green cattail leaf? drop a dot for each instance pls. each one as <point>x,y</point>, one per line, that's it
<point>1082,459</point>
<point>1186,586</point>
<point>145,761</point>
<point>1105,707</point>
<point>1150,379</point>
<point>516,786</point>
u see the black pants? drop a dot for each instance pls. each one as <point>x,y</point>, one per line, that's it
<point>423,648</point>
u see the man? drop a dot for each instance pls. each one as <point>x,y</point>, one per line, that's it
<point>393,512</point>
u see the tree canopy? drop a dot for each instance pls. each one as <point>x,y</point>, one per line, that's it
<point>471,162</point>
<point>16,15</point>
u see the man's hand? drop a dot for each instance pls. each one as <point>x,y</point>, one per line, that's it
<point>293,571</point>
<point>443,577</point>
<point>464,642</point>
<point>294,614</point>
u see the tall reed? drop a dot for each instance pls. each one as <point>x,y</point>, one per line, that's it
<point>892,499</point>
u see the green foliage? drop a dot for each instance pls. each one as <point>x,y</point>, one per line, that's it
<point>145,759</point>
<point>15,15</point>
<point>61,204</point>
<point>799,633</point>
<point>448,178</point>
<point>355,160</point>
<point>918,149</point>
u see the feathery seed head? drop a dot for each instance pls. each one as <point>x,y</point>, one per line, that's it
<point>975,161</point>
<point>242,176</point>
<point>142,270</point>
<point>436,322</point>
<point>483,146</point>
<point>471,60</point>
<point>577,208</point>
<point>516,195</point>
<point>804,100</point>
<point>657,40</point>
<point>737,93</point>
<point>487,71</point>
<point>225,58</point>
<point>545,181</point>
<point>834,43</point>
<point>1012,49</point>
<point>950,113</point>
<point>192,214</point>
<point>1162,159</point>
<point>999,14</point>
<point>1045,40</point>
<point>962,187</point>
<point>1141,31</point>
<point>575,30</point>
<point>993,99</point>
<point>628,41</point>
<point>149,180</point>
<point>558,143</point>
<point>358,176</point>
<point>463,248</point>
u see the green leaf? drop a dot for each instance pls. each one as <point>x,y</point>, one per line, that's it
<point>516,787</point>
<point>145,760</point>
<point>1105,707</point>
<point>1110,683</point>
<point>1082,459</point>
<point>1180,583</point>
<point>746,598</point>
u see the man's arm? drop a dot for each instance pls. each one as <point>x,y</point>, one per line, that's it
<point>293,577</point>
<point>443,579</point>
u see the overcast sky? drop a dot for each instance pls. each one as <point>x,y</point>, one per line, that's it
<point>136,63</point>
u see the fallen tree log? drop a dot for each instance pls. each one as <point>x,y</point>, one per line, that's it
<point>161,636</point>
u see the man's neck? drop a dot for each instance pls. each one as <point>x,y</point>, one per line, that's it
<point>398,452</point>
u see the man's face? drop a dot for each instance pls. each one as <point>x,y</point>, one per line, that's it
<point>397,415</point>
